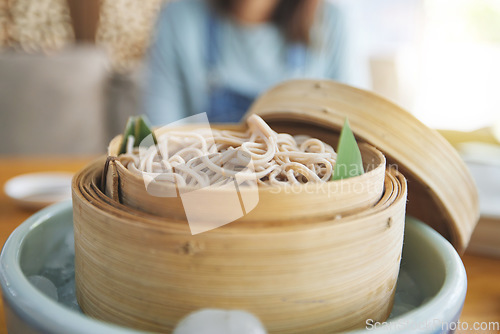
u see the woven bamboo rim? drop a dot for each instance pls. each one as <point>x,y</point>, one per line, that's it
<point>308,201</point>
<point>442,192</point>
<point>147,272</point>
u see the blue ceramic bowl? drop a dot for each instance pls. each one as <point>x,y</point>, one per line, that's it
<point>431,286</point>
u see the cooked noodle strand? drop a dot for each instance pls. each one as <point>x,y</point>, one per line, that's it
<point>202,158</point>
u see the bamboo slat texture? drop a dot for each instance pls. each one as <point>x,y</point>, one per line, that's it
<point>147,272</point>
<point>316,260</point>
<point>301,203</point>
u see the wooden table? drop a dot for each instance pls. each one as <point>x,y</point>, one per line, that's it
<point>483,295</point>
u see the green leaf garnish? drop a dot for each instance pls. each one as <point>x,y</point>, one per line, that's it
<point>349,162</point>
<point>129,131</point>
<point>142,130</point>
<point>137,126</point>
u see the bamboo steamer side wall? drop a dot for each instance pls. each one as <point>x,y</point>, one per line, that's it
<point>296,203</point>
<point>136,270</point>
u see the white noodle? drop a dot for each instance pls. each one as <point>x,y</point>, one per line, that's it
<point>202,158</point>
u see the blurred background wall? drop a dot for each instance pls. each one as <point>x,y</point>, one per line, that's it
<point>436,58</point>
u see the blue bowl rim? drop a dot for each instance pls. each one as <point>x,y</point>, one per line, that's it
<point>451,293</point>
<point>18,292</point>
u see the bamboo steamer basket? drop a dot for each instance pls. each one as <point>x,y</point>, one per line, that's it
<point>306,267</point>
<point>441,192</point>
<point>300,266</point>
<point>320,275</point>
<point>310,201</point>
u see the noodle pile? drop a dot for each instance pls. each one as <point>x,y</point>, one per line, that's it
<point>206,157</point>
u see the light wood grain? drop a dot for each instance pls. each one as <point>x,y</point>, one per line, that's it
<point>482,303</point>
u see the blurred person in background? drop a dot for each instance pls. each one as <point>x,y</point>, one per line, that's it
<point>217,56</point>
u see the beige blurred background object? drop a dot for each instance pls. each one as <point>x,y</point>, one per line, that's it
<point>53,104</point>
<point>61,92</point>
<point>125,29</point>
<point>35,25</point>
<point>3,23</point>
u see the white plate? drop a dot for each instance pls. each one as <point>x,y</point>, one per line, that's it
<point>38,190</point>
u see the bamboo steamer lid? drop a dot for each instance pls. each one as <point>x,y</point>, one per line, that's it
<point>441,191</point>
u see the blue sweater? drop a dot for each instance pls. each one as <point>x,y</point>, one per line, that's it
<point>251,58</point>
